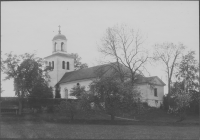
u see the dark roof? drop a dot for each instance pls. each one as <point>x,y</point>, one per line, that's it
<point>59,36</point>
<point>149,80</point>
<point>90,73</point>
<point>85,73</point>
<point>60,54</point>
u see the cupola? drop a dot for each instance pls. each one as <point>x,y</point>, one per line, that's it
<point>59,43</point>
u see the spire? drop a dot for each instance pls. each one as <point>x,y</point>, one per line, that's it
<point>59,30</point>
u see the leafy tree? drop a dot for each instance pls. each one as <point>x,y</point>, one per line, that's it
<point>124,46</point>
<point>27,71</point>
<point>112,96</point>
<point>185,89</point>
<point>84,99</point>
<point>168,54</point>
<point>68,107</point>
<point>57,91</point>
<point>189,71</point>
<point>77,62</point>
<point>182,99</point>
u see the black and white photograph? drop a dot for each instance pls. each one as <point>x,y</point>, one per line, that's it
<point>100,69</point>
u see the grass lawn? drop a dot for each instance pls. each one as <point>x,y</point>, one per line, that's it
<point>30,127</point>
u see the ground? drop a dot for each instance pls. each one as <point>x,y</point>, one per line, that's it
<point>55,130</point>
<point>52,126</point>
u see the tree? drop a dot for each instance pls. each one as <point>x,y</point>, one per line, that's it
<point>112,96</point>
<point>68,107</point>
<point>57,91</point>
<point>168,54</point>
<point>124,46</point>
<point>189,71</point>
<point>27,71</point>
<point>182,99</point>
<point>185,90</point>
<point>77,62</point>
<point>84,100</point>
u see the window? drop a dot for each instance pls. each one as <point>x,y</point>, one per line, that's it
<point>53,64</point>
<point>67,65</point>
<point>62,46</point>
<point>63,64</point>
<point>49,64</point>
<point>155,92</point>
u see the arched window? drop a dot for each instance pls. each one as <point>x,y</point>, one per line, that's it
<point>67,65</point>
<point>66,93</point>
<point>62,46</point>
<point>53,64</point>
<point>63,64</point>
<point>55,45</point>
<point>49,64</point>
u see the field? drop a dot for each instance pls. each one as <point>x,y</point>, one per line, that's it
<point>44,126</point>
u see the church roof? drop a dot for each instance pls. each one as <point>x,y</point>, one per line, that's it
<point>85,73</point>
<point>59,54</point>
<point>90,73</point>
<point>150,80</point>
<point>59,36</point>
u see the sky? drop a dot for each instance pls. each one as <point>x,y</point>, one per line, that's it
<point>31,25</point>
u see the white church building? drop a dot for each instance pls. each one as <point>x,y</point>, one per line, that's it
<point>64,74</point>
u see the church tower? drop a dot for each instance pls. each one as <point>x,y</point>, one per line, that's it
<point>59,60</point>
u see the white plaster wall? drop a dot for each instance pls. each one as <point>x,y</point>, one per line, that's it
<point>147,94</point>
<point>70,85</point>
<point>58,41</point>
<point>62,71</point>
<point>58,71</point>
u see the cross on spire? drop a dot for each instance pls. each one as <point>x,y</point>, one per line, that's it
<point>59,30</point>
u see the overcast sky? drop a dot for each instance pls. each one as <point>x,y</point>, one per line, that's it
<point>31,26</point>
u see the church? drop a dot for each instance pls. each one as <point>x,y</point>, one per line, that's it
<point>64,74</point>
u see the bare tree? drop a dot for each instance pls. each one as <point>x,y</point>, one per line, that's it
<point>124,46</point>
<point>168,54</point>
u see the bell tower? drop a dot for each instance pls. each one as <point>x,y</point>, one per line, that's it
<point>59,43</point>
<point>60,61</point>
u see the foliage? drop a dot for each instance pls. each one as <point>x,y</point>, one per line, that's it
<point>194,104</point>
<point>165,105</point>
<point>112,96</point>
<point>77,91</point>
<point>124,46</point>
<point>85,99</point>
<point>28,72</point>
<point>57,91</point>
<point>77,62</point>
<point>189,71</point>
<point>185,89</point>
<point>68,107</point>
<point>41,90</point>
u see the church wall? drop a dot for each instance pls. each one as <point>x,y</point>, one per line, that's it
<point>62,71</point>
<point>57,73</point>
<point>147,93</point>
<point>70,85</point>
